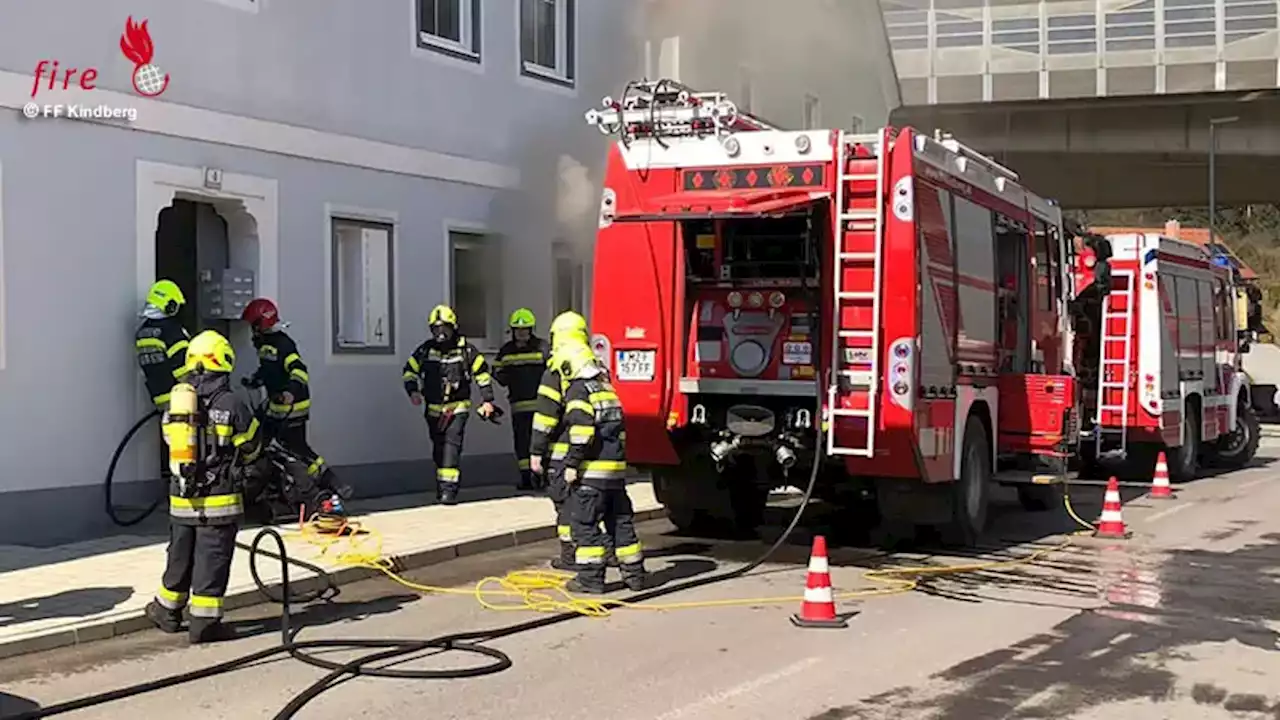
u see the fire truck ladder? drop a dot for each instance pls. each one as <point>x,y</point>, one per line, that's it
<point>1111,423</point>
<point>666,108</point>
<point>853,370</point>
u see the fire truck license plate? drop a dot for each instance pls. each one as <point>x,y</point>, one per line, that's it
<point>635,364</point>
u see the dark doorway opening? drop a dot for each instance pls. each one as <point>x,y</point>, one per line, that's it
<point>191,239</point>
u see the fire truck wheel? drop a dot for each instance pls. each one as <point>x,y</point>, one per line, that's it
<point>1236,449</point>
<point>971,492</point>
<point>1184,461</point>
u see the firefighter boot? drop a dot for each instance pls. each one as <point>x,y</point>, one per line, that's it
<point>449,494</point>
<point>566,561</point>
<point>526,481</point>
<point>203,630</point>
<point>586,583</point>
<point>168,621</point>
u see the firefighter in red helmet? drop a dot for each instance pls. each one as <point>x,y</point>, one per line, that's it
<point>283,374</point>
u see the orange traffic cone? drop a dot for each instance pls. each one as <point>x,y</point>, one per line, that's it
<point>819,607</point>
<point>1111,524</point>
<point>1160,487</point>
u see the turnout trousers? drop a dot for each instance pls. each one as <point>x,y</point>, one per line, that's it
<point>292,434</point>
<point>196,574</point>
<point>598,519</point>
<point>447,433</point>
<point>559,491</point>
<point>522,435</point>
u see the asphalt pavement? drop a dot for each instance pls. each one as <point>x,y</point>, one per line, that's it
<point>1180,621</point>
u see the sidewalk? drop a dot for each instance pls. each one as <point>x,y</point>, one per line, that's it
<point>95,590</point>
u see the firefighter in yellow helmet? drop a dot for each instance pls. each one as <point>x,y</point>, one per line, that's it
<point>518,367</point>
<point>439,373</point>
<point>212,436</point>
<point>550,436</point>
<point>161,341</point>
<point>601,516</point>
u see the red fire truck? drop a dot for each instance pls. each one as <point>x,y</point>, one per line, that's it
<point>889,306</point>
<point>1160,356</point>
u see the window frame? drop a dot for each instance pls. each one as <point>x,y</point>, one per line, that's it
<point>470,21</point>
<point>338,218</point>
<point>564,75</point>
<point>478,237</point>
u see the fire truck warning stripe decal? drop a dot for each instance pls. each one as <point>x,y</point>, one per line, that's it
<point>750,178</point>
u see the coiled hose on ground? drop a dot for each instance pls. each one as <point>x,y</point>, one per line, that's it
<point>113,512</point>
<point>380,650</point>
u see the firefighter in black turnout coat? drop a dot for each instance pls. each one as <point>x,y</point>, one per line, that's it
<point>519,367</point>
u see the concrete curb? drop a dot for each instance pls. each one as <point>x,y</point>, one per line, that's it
<point>125,622</point>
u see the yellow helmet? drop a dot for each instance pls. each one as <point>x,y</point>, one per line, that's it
<point>522,318</point>
<point>211,351</point>
<point>165,295</point>
<point>568,327</point>
<point>442,315</point>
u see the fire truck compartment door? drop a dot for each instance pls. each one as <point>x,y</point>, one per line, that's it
<point>1033,411</point>
<point>726,204</point>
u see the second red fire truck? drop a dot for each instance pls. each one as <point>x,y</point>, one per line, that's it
<point>891,306</point>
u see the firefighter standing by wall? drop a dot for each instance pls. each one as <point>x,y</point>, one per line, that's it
<point>519,367</point>
<point>439,373</point>
<point>595,471</point>
<point>212,435</point>
<point>161,341</point>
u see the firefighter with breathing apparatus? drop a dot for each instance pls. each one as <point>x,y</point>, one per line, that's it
<point>283,374</point>
<point>161,341</point>
<point>212,436</point>
<point>518,367</point>
<point>549,443</point>
<point>600,513</point>
<point>439,374</point>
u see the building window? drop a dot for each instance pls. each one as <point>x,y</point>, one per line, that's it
<point>570,281</point>
<point>812,113</point>
<point>475,273</point>
<point>547,38</point>
<point>363,278</point>
<point>451,27</point>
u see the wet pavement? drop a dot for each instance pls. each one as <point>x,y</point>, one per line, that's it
<point>1181,621</point>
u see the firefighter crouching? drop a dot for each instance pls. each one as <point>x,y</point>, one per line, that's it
<point>595,471</point>
<point>439,373</point>
<point>161,341</point>
<point>519,367</point>
<point>212,436</point>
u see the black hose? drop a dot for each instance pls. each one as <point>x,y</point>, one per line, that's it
<point>385,649</point>
<point>112,511</point>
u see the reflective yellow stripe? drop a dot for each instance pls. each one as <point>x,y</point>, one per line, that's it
<point>545,423</point>
<point>166,594</point>
<point>604,469</point>
<point>589,555</point>
<point>581,434</point>
<point>223,430</point>
<point>414,365</point>
<point>210,507</point>
<point>629,554</point>
<point>301,375</point>
<point>288,359</point>
<point>559,450</point>
<point>552,393</point>
<point>205,606</point>
<point>148,343</point>
<point>565,533</point>
<point>247,435</point>
<point>527,358</point>
<point>582,405</point>
<point>477,363</point>
<point>483,379</point>
<point>409,375</point>
<point>280,409</point>
<point>524,406</point>
<point>440,408</point>
<point>174,349</point>
<point>523,463</point>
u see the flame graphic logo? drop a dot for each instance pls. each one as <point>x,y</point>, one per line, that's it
<point>148,79</point>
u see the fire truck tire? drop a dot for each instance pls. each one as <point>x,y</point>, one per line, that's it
<point>1237,448</point>
<point>1184,461</point>
<point>706,504</point>
<point>971,493</point>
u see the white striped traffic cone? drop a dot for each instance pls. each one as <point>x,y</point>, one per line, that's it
<point>1160,487</point>
<point>819,607</point>
<point>1111,524</point>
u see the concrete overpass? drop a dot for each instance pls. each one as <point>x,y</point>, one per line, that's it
<point>1101,103</point>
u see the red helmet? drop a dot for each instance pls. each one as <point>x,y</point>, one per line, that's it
<point>261,314</point>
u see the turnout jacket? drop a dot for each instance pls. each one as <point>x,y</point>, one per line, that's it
<point>231,442</point>
<point>443,373</point>
<point>597,438</point>
<point>280,369</point>
<point>519,369</point>
<point>549,439</point>
<point>162,354</point>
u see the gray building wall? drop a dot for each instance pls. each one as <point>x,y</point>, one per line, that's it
<point>964,51</point>
<point>516,165</point>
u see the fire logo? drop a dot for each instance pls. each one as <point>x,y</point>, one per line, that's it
<point>148,80</point>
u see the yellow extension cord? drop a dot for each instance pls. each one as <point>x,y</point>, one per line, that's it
<point>544,590</point>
